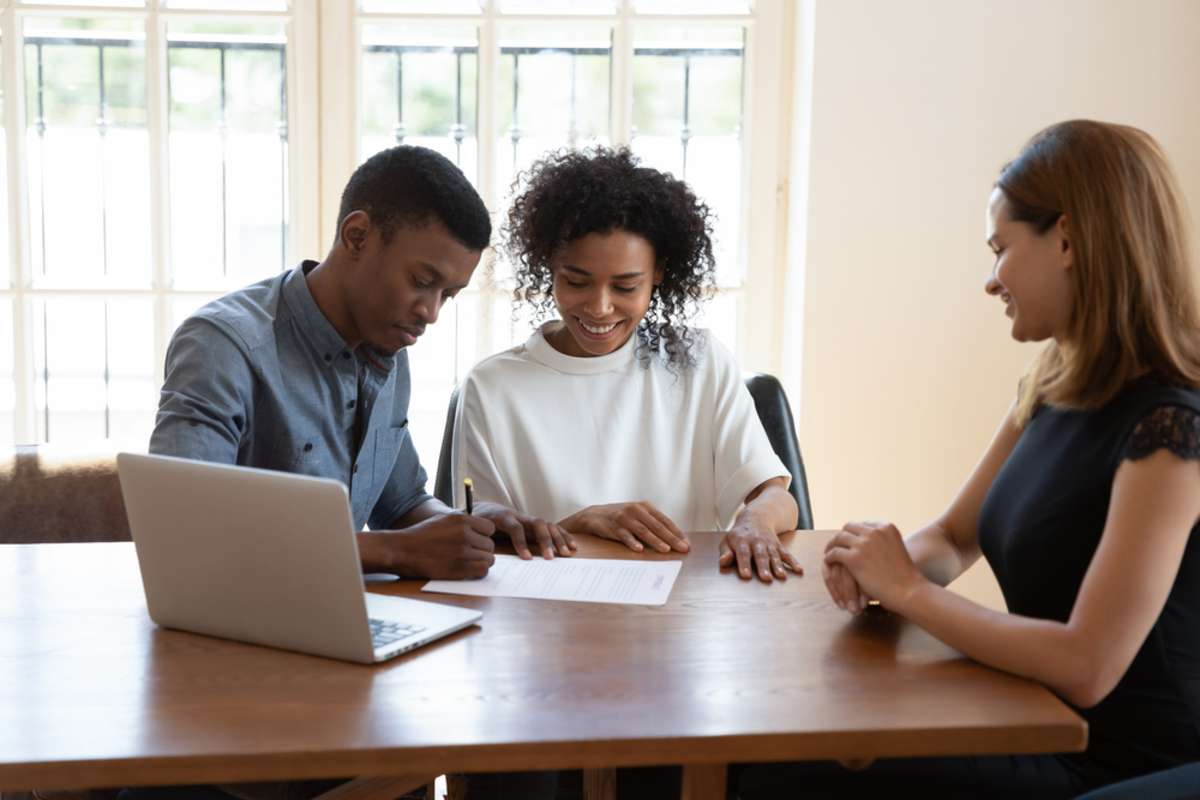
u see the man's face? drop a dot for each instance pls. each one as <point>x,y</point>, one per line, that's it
<point>395,289</point>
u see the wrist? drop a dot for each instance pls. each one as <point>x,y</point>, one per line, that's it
<point>914,595</point>
<point>370,553</point>
<point>382,552</point>
<point>751,523</point>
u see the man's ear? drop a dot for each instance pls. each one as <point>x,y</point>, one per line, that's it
<point>658,276</point>
<point>355,229</point>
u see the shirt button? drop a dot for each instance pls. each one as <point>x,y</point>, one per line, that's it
<point>351,404</point>
<point>345,354</point>
<point>328,358</point>
<point>307,447</point>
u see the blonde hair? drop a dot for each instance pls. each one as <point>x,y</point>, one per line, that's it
<point>1134,307</point>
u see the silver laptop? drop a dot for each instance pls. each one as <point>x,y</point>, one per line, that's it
<point>265,557</point>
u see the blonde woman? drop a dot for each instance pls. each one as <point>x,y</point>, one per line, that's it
<point>1086,502</point>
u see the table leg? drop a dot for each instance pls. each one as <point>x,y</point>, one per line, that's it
<point>703,782</point>
<point>600,784</point>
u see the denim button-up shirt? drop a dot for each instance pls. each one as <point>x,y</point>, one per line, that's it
<point>261,378</point>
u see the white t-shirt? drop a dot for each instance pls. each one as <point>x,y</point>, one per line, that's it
<point>549,434</point>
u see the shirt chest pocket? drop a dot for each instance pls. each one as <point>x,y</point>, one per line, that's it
<point>389,443</point>
<point>301,450</point>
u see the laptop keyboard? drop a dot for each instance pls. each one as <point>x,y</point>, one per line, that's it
<point>386,631</point>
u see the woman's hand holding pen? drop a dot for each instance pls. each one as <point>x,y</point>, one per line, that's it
<point>526,532</point>
<point>636,525</point>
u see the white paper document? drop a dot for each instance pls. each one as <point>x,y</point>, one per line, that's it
<point>588,580</point>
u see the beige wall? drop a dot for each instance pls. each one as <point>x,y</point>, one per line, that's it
<point>907,365</point>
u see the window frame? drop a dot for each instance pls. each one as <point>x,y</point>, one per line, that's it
<point>324,125</point>
<point>766,114</point>
<point>299,22</point>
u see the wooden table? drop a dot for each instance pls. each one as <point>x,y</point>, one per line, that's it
<point>93,694</point>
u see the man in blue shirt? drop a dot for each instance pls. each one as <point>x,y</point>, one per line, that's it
<point>306,371</point>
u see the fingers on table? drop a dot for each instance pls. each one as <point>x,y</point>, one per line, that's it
<point>763,561</point>
<point>669,532</point>
<point>544,537</point>
<point>790,561</point>
<point>655,528</point>
<point>520,543</point>
<point>626,537</point>
<point>741,552</point>
<point>648,537</point>
<point>564,543</point>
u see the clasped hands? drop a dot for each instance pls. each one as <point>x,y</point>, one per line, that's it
<point>869,560</point>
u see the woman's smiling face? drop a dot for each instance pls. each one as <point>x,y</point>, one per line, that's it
<point>1031,274</point>
<point>603,283</point>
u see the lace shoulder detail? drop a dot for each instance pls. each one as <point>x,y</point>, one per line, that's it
<point>1177,428</point>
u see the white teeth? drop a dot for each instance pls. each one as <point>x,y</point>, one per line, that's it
<point>598,331</point>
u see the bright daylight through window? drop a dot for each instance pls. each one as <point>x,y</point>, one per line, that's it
<point>158,153</point>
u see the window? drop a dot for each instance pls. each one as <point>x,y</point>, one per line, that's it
<point>150,146</point>
<point>228,145</point>
<point>8,399</point>
<point>494,85</point>
<point>158,153</point>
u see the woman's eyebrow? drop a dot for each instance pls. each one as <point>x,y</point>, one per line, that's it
<point>624,276</point>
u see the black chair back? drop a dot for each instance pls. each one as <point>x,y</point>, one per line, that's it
<point>443,486</point>
<point>771,403</point>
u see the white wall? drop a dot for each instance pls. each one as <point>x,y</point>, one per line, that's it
<point>907,366</point>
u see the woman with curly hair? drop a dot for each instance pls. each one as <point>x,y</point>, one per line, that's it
<point>617,419</point>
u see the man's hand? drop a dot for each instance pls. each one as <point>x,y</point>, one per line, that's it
<point>446,546</point>
<point>525,531</point>
<point>636,525</point>
<point>757,550</point>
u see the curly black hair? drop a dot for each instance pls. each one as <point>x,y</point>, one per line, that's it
<point>571,193</point>
<point>410,185</point>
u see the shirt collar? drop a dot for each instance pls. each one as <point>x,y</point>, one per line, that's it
<point>543,352</point>
<point>317,329</point>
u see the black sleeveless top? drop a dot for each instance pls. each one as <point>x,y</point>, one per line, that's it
<point>1039,527</point>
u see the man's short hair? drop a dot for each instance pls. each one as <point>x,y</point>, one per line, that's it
<point>409,185</point>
